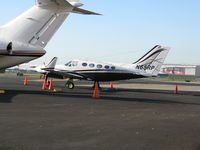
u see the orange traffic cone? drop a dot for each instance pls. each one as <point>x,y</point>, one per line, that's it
<point>51,85</point>
<point>44,86</point>
<point>96,91</point>
<point>111,85</point>
<point>25,81</point>
<point>176,90</point>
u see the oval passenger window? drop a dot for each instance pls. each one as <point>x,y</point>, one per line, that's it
<point>107,67</point>
<point>99,66</point>
<point>84,64</point>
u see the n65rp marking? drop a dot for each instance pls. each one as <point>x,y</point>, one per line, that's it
<point>145,67</point>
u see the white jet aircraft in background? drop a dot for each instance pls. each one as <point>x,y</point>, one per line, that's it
<point>147,66</point>
<point>24,38</point>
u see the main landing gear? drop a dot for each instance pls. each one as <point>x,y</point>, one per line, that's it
<point>69,84</point>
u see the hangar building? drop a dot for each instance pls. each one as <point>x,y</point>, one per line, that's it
<point>175,69</point>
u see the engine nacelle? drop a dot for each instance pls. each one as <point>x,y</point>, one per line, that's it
<point>11,48</point>
<point>6,48</point>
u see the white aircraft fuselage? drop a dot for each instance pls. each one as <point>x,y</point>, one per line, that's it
<point>100,71</point>
<point>147,66</point>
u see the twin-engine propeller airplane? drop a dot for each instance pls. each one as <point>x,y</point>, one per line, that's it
<point>147,66</point>
<point>24,38</point>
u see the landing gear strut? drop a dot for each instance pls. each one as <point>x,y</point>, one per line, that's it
<point>69,84</point>
<point>46,78</point>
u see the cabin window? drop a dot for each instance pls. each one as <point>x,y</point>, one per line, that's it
<point>106,67</point>
<point>91,65</point>
<point>74,63</point>
<point>84,64</point>
<point>99,66</point>
<point>113,67</point>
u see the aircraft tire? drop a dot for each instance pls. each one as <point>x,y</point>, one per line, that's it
<point>69,85</point>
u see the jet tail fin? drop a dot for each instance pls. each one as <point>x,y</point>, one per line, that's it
<point>52,63</point>
<point>38,25</point>
<point>151,62</point>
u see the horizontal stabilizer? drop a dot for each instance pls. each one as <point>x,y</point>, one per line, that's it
<point>83,11</point>
<point>65,5</point>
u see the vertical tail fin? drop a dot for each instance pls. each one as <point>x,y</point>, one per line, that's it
<point>151,62</point>
<point>52,63</point>
<point>38,24</point>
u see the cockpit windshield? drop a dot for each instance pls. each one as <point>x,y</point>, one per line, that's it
<point>69,63</point>
<point>72,64</point>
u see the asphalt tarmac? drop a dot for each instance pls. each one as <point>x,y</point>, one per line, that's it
<point>122,119</point>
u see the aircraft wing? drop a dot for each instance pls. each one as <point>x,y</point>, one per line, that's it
<point>66,74</point>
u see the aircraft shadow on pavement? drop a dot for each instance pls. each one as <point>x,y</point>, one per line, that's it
<point>5,148</point>
<point>152,91</point>
<point>9,95</point>
<point>118,90</point>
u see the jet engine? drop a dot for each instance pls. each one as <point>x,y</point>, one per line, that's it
<point>5,47</point>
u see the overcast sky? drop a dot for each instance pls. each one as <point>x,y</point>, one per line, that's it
<point>125,31</point>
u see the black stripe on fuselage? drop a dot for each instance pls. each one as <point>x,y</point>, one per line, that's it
<point>159,51</point>
<point>146,54</point>
<point>98,75</point>
<point>98,70</point>
<point>107,75</point>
